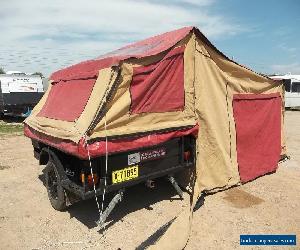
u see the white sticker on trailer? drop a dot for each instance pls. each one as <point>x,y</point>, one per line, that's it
<point>134,158</point>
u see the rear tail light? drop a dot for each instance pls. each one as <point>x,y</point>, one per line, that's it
<point>91,181</point>
<point>88,179</point>
<point>187,155</point>
<point>82,178</point>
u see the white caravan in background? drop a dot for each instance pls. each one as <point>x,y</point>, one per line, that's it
<point>19,93</point>
<point>292,89</point>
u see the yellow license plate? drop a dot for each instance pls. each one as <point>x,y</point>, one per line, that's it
<point>125,174</point>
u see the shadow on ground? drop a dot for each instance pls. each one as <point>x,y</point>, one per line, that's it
<point>135,198</point>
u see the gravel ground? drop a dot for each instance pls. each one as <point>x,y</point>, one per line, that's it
<point>268,205</point>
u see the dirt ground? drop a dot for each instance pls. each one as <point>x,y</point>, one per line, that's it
<point>268,205</point>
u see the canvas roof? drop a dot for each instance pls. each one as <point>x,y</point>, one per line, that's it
<point>148,47</point>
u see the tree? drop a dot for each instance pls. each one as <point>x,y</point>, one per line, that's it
<point>2,71</point>
<point>39,74</point>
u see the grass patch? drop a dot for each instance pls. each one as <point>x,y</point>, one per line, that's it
<point>6,128</point>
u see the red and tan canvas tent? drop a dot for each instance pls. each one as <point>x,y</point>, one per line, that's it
<point>163,87</point>
<point>167,86</point>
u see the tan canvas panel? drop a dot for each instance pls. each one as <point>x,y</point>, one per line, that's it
<point>41,103</point>
<point>213,142</point>
<point>105,80</point>
<point>217,80</point>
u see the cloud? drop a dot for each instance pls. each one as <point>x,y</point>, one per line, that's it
<point>199,2</point>
<point>184,2</point>
<point>287,48</point>
<point>47,35</point>
<point>293,68</point>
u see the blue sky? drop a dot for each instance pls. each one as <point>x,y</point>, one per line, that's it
<point>48,35</point>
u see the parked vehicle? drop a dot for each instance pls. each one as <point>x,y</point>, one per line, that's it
<point>19,93</point>
<point>292,89</point>
<point>152,109</point>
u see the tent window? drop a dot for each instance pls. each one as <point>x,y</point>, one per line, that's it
<point>159,87</point>
<point>67,100</point>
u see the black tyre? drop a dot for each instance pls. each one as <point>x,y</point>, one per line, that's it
<point>55,190</point>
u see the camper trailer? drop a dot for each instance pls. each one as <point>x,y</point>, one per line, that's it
<point>19,93</point>
<point>292,89</point>
<point>169,106</point>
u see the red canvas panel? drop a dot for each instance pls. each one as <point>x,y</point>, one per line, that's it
<point>119,145</point>
<point>159,87</point>
<point>258,133</point>
<point>67,100</point>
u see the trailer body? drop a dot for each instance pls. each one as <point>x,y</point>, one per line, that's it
<point>70,178</point>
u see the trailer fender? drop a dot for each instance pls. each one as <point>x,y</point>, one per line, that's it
<point>43,156</point>
<point>47,155</point>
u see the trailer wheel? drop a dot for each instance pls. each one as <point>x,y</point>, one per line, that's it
<point>55,190</point>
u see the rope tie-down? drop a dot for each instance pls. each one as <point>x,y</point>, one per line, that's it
<point>103,213</point>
